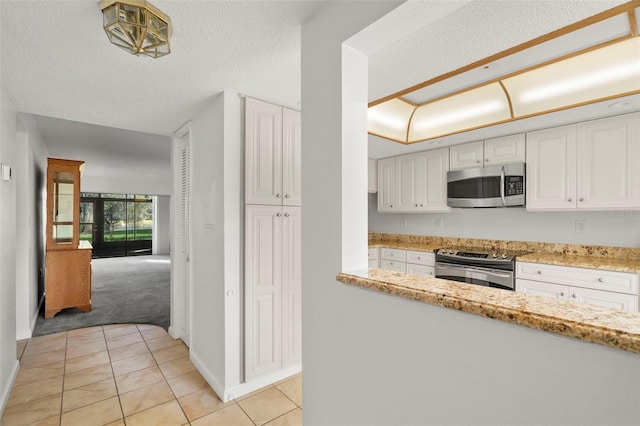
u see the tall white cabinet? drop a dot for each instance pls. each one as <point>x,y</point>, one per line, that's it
<point>273,290</point>
<point>591,165</point>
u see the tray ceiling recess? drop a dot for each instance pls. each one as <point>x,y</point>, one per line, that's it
<point>593,60</point>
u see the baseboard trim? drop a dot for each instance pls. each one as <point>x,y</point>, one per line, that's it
<point>215,385</point>
<point>173,333</point>
<point>262,381</point>
<point>6,390</point>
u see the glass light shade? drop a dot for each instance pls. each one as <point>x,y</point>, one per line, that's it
<point>137,27</point>
<point>597,74</point>
<point>464,111</point>
<point>390,119</point>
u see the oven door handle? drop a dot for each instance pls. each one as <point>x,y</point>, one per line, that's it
<point>487,271</point>
<point>502,179</point>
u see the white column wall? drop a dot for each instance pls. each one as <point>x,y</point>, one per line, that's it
<point>161,224</point>
<point>374,359</point>
<point>8,156</point>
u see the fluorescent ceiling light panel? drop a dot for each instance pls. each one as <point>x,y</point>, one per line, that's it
<point>464,111</point>
<point>390,119</point>
<point>598,74</point>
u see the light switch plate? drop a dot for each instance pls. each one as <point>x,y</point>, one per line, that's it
<point>6,173</point>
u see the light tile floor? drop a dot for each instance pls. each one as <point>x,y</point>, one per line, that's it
<point>131,375</point>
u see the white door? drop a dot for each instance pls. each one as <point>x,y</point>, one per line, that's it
<point>386,188</point>
<point>410,182</point>
<point>504,150</point>
<point>626,302</point>
<point>538,288</point>
<point>263,155</point>
<point>291,158</point>
<point>263,289</point>
<point>608,162</point>
<point>466,156</point>
<point>437,164</point>
<point>185,233</point>
<point>551,168</point>
<point>291,286</point>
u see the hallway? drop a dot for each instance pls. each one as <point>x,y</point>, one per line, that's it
<point>134,375</point>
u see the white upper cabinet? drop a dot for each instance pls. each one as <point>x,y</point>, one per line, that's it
<point>503,150</point>
<point>372,185</point>
<point>386,179</point>
<point>466,155</point>
<point>591,165</point>
<point>413,182</point>
<point>609,163</point>
<point>273,161</point>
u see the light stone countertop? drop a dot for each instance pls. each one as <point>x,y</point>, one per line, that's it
<point>592,262</point>
<point>609,327</point>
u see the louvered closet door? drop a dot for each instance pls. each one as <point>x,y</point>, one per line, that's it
<point>185,227</point>
<point>291,286</point>
<point>263,290</point>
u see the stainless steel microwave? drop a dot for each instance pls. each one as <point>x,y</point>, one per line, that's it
<point>495,186</point>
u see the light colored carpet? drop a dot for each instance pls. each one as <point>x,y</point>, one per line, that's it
<point>131,289</point>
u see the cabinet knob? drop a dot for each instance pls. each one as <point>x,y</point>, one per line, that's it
<point>278,214</point>
<point>581,199</point>
<point>286,215</point>
<point>391,205</point>
<point>539,272</point>
<point>486,160</point>
<point>278,195</point>
<point>570,199</point>
<point>416,205</point>
<point>562,293</point>
<point>601,280</point>
<point>286,195</point>
<point>574,296</point>
<point>421,205</point>
<point>478,161</point>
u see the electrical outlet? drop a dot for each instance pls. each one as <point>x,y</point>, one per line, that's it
<point>403,223</point>
<point>439,224</point>
<point>581,226</point>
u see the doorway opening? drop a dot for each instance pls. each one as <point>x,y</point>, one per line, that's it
<point>117,224</point>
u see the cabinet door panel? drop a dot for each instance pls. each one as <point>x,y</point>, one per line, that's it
<point>392,265</point>
<point>504,150</point>
<point>372,186</point>
<point>421,270</point>
<point>551,168</point>
<point>291,158</point>
<point>263,156</point>
<point>292,286</point>
<point>466,156</point>
<point>410,182</point>
<point>263,289</point>
<point>608,152</point>
<point>626,302</point>
<point>386,190</point>
<point>437,164</point>
<point>539,288</point>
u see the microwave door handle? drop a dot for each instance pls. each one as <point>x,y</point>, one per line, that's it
<point>502,179</point>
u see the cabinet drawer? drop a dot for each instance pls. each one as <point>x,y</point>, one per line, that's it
<point>373,254</point>
<point>393,265</point>
<point>620,282</point>
<point>393,254</point>
<point>422,270</point>
<point>421,257</point>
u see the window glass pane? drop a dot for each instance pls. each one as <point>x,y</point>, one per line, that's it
<point>86,221</point>
<point>115,220</point>
<point>143,220</point>
<point>116,196</point>
<point>89,195</point>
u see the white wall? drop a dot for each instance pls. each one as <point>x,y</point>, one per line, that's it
<point>608,228</point>
<point>216,261</point>
<point>116,185</point>
<point>375,359</point>
<point>30,175</point>
<point>8,156</point>
<point>161,224</point>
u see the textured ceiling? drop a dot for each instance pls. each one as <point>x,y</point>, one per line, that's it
<point>57,61</point>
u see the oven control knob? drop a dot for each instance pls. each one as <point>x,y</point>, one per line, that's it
<point>494,255</point>
<point>450,251</point>
<point>504,256</point>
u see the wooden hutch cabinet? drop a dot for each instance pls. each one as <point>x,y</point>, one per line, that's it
<point>68,265</point>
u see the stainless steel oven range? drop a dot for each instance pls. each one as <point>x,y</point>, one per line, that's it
<point>476,266</point>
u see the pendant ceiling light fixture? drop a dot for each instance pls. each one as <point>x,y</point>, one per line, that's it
<point>137,27</point>
<point>604,65</point>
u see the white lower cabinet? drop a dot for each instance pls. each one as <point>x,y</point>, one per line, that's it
<point>407,261</point>
<point>273,303</point>
<point>373,258</point>
<point>611,289</point>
